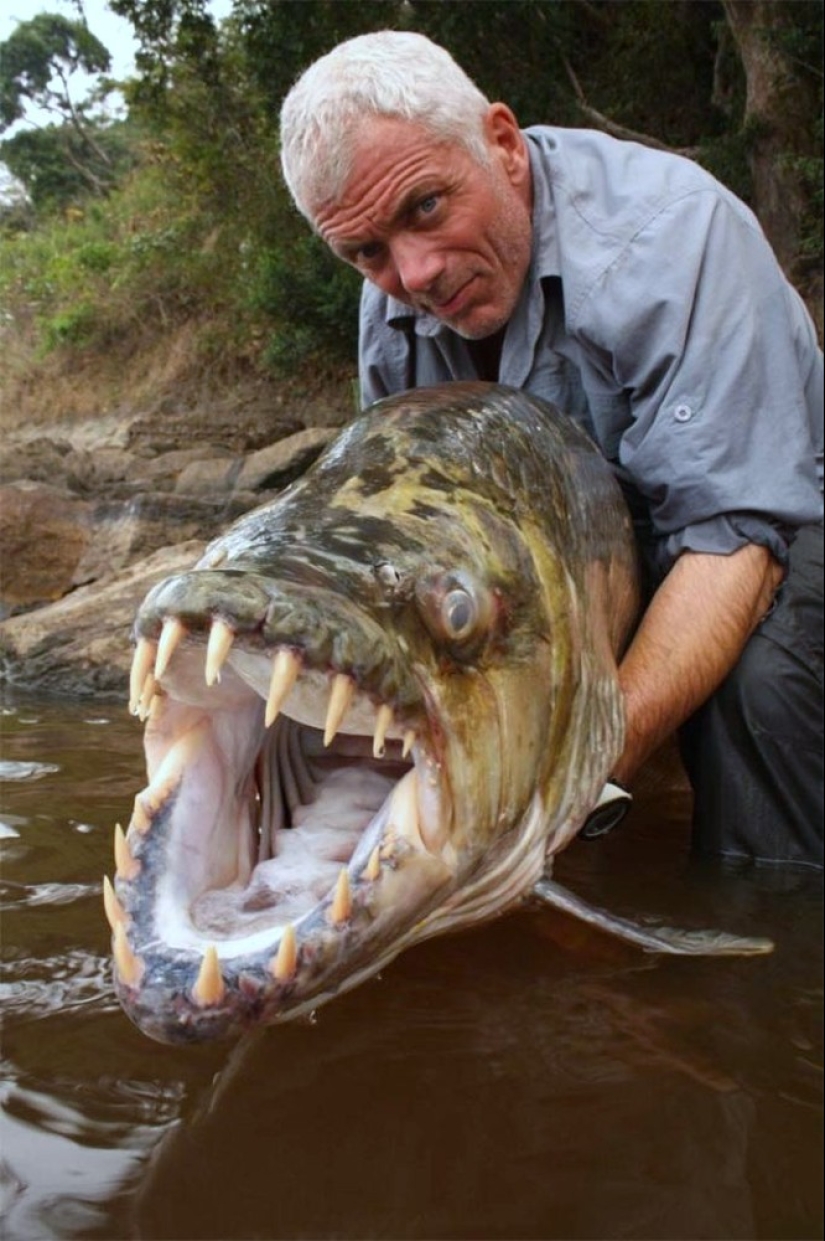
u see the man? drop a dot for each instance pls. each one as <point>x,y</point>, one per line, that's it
<point>630,288</point>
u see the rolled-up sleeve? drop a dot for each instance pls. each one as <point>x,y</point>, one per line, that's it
<point>713,349</point>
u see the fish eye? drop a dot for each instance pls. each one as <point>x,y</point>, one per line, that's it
<point>457,610</point>
<point>459,614</point>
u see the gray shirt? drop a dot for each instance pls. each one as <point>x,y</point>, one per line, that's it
<point>655,313</point>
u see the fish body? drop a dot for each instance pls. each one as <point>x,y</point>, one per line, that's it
<point>374,710</point>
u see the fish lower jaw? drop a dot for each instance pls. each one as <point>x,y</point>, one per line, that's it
<point>267,888</point>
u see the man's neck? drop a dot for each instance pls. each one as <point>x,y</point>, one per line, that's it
<point>486,354</point>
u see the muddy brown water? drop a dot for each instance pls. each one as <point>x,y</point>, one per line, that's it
<point>530,1079</point>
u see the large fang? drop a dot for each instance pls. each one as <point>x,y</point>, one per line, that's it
<point>170,636</point>
<point>142,662</point>
<point>115,912</point>
<point>147,697</point>
<point>126,866</point>
<point>209,986</point>
<point>221,637</point>
<point>343,688</point>
<point>342,901</point>
<point>403,816</point>
<point>129,967</point>
<point>285,668</point>
<point>373,868</point>
<point>283,967</point>
<point>382,723</point>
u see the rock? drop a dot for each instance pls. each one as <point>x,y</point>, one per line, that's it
<point>38,460</point>
<point>45,532</point>
<point>81,645</point>
<point>208,477</point>
<point>275,467</point>
<point>95,513</point>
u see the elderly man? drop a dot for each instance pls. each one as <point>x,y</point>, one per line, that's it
<point>633,290</point>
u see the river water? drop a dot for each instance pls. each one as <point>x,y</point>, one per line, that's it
<point>531,1079</point>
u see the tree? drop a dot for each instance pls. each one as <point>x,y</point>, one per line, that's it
<point>37,63</point>
<point>780,44</point>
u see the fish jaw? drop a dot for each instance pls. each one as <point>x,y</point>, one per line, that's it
<point>272,863</point>
<point>293,868</point>
<point>371,712</point>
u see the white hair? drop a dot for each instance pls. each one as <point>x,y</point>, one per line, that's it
<point>389,73</point>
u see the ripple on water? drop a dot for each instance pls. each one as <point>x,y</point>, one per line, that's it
<point>15,771</point>
<point>23,895</point>
<point>36,988</point>
<point>72,1146</point>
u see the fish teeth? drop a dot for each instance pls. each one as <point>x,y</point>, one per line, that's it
<point>373,868</point>
<point>126,866</point>
<point>341,907</point>
<point>285,668</point>
<point>409,742</point>
<point>403,814</point>
<point>147,698</point>
<point>285,963</point>
<point>209,987</point>
<point>221,637</point>
<point>171,635</point>
<point>115,913</point>
<point>129,966</point>
<point>383,721</point>
<point>341,695</point>
<point>143,661</point>
<point>141,819</point>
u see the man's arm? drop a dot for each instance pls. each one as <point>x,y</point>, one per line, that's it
<point>690,637</point>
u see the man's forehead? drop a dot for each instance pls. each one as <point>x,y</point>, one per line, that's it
<point>391,160</point>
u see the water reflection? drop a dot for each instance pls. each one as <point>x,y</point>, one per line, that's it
<point>531,1079</point>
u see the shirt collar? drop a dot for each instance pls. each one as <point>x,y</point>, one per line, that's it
<point>545,259</point>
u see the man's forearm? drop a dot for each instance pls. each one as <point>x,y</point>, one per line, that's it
<point>690,637</point>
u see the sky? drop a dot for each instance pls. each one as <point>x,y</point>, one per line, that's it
<point>115,33</point>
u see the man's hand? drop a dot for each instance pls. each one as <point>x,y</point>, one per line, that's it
<point>689,639</point>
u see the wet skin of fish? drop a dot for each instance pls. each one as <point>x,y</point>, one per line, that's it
<point>375,710</point>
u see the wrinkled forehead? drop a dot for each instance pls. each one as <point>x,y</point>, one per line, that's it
<point>384,151</point>
<point>391,163</point>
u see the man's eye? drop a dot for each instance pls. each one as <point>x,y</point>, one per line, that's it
<point>427,205</point>
<point>368,253</point>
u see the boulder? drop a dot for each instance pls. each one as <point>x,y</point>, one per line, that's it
<point>45,532</point>
<point>81,645</point>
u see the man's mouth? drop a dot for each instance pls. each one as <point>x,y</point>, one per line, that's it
<point>449,307</point>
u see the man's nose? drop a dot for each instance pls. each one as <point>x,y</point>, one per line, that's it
<point>417,262</point>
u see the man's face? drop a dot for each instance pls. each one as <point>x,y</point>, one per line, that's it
<point>434,228</point>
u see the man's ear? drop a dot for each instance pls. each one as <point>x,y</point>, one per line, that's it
<point>507,143</point>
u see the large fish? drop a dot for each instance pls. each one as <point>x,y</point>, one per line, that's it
<point>375,709</point>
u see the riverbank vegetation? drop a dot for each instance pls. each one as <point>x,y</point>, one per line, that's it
<point>163,232</point>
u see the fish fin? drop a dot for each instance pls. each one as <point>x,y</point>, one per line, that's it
<point>651,938</point>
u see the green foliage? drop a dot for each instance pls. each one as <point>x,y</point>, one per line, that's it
<point>73,326</point>
<point>310,297</point>
<point>39,53</point>
<point>201,226</point>
<point>61,165</point>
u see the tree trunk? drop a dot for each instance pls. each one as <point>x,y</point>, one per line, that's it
<point>782,97</point>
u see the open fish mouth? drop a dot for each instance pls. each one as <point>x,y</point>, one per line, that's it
<point>374,711</point>
<point>292,814</point>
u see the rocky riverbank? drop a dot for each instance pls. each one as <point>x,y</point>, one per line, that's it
<point>94,510</point>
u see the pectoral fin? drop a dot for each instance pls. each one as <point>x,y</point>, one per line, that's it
<point>651,938</point>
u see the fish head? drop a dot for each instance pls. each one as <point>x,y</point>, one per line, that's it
<point>372,710</point>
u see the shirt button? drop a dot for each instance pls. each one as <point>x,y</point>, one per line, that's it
<point>683,413</point>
